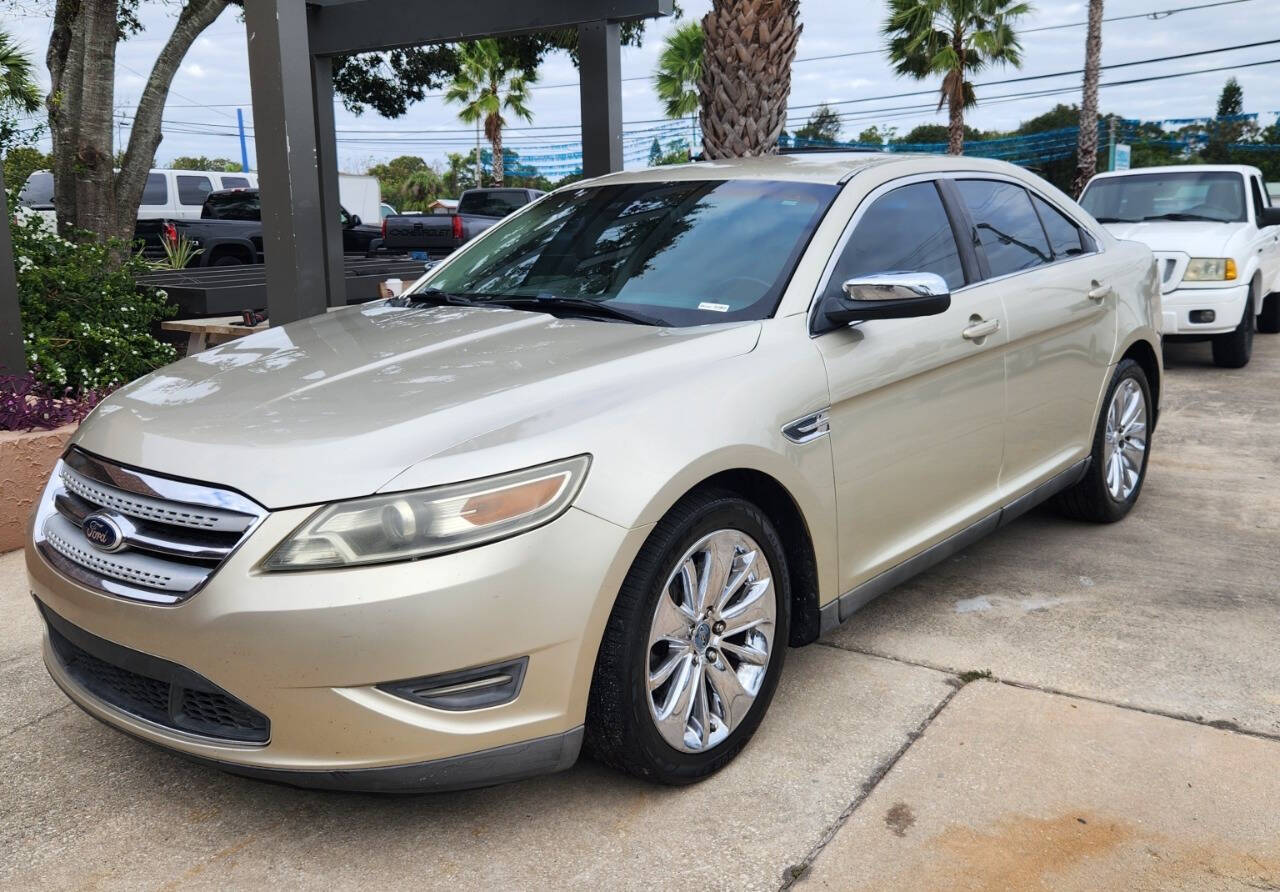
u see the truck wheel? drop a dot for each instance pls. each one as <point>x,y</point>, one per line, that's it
<point>693,649</point>
<point>1233,349</point>
<point>227,260</point>
<point>1269,318</point>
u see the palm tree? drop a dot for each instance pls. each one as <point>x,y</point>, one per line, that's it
<point>487,83</point>
<point>1087,142</point>
<point>17,76</point>
<point>953,38</point>
<point>749,46</point>
<point>679,70</point>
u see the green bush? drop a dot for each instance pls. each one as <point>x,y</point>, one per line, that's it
<point>86,322</point>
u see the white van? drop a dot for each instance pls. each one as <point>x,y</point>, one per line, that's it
<point>180,194</point>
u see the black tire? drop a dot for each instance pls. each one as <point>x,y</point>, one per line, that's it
<point>1234,349</point>
<point>1090,499</point>
<point>227,260</point>
<point>620,730</point>
<point>1269,318</point>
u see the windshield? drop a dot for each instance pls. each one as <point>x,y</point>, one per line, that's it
<point>1181,195</point>
<point>684,252</point>
<point>232,206</point>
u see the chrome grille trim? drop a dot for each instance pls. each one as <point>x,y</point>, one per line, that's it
<point>176,534</point>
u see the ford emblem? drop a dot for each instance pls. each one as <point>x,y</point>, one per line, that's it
<point>103,532</point>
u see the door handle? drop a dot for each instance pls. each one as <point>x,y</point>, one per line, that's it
<point>981,328</point>
<point>1099,292</point>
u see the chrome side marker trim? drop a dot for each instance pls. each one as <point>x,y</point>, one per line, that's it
<point>808,428</point>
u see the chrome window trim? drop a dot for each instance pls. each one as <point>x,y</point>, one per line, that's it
<point>933,176</point>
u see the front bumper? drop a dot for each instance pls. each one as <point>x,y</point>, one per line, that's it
<point>1227,305</point>
<point>308,649</point>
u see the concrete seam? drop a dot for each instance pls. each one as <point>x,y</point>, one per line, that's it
<point>30,722</point>
<point>797,872</point>
<point>1216,724</point>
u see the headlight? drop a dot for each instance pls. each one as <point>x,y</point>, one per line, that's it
<point>403,526</point>
<point>1210,269</point>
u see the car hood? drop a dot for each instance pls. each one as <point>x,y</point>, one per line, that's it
<point>336,406</point>
<point>1191,237</point>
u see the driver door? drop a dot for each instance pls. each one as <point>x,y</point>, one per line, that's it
<point>917,405</point>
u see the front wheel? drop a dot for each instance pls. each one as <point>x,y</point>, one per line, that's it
<point>1233,349</point>
<point>1121,446</point>
<point>1269,318</point>
<point>693,649</point>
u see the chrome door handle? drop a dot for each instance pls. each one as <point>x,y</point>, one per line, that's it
<point>979,330</point>
<point>1099,292</point>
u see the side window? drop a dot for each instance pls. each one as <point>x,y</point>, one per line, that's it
<point>1007,226</point>
<point>156,191</point>
<point>193,189</point>
<point>1258,201</point>
<point>1064,235</point>
<point>905,230</point>
<point>235,183</point>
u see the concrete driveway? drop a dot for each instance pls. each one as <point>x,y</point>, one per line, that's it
<point>1128,734</point>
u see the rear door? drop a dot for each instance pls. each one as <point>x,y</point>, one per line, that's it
<point>1061,311</point>
<point>192,190</point>
<point>917,405</point>
<point>155,197</point>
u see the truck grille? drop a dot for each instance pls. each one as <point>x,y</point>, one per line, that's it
<point>151,688</point>
<point>165,537</point>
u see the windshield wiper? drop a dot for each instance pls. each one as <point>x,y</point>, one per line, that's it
<point>1115,220</point>
<point>578,305</point>
<point>433,296</point>
<point>1177,216</point>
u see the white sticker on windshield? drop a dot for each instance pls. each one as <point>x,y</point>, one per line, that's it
<point>715,308</point>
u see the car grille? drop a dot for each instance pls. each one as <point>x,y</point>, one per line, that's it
<point>153,689</point>
<point>173,534</point>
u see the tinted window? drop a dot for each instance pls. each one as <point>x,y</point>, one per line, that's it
<point>232,206</point>
<point>235,183</point>
<point>492,204</point>
<point>1007,226</point>
<point>1174,195</point>
<point>156,191</point>
<point>905,230</point>
<point>38,190</point>
<point>192,190</point>
<point>1064,236</point>
<point>689,252</point>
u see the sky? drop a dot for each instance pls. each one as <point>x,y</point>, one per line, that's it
<point>214,80</point>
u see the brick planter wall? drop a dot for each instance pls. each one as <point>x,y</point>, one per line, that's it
<point>25,462</point>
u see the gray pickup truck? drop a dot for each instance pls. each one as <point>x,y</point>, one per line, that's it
<point>435,235</point>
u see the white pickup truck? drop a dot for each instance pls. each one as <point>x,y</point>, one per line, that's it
<point>1216,240</point>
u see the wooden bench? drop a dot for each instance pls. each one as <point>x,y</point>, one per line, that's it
<point>205,333</point>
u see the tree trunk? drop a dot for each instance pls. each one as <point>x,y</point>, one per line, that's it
<point>89,194</point>
<point>497,157</point>
<point>746,75</point>
<point>955,125</point>
<point>1087,145</point>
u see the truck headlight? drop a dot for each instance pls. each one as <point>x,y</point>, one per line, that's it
<point>1210,269</point>
<point>404,526</point>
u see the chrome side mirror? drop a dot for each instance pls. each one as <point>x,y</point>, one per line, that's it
<point>893,295</point>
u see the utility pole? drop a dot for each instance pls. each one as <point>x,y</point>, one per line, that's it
<point>479,183</point>
<point>244,147</point>
<point>1111,143</point>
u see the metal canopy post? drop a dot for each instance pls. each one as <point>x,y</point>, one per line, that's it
<point>284,122</point>
<point>13,360</point>
<point>600,73</point>
<point>327,168</point>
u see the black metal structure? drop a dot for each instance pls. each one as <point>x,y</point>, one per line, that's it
<point>291,47</point>
<point>13,360</point>
<point>226,290</point>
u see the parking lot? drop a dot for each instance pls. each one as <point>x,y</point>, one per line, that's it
<point>1060,706</point>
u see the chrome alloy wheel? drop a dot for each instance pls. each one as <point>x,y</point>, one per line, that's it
<point>710,640</point>
<point>1126,439</point>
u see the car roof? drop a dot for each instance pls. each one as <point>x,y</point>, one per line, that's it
<point>820,167</point>
<point>1244,169</point>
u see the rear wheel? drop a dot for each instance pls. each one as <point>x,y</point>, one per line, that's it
<point>227,260</point>
<point>1118,465</point>
<point>1269,318</point>
<point>1233,349</point>
<point>695,644</point>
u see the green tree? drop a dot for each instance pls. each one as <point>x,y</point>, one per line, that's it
<point>22,161</point>
<point>1228,126</point>
<point>1231,99</point>
<point>679,71</point>
<point>871,136</point>
<point>955,39</point>
<point>655,152</point>
<point>487,83</point>
<point>822,128</point>
<point>200,162</point>
<point>17,77</point>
